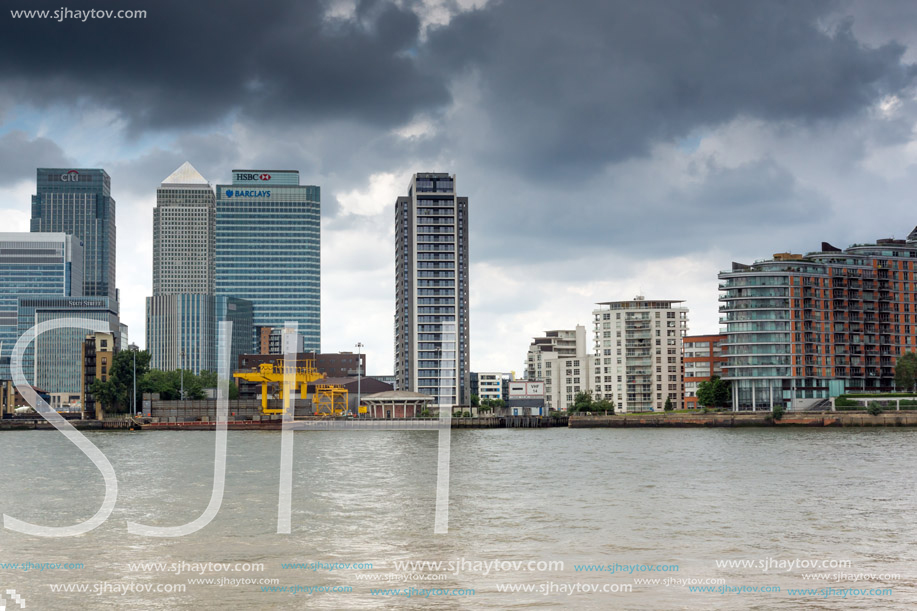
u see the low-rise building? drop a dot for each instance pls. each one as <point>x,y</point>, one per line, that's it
<point>99,351</point>
<point>560,360</point>
<point>703,359</point>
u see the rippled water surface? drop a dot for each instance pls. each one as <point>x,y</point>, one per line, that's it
<point>683,499</point>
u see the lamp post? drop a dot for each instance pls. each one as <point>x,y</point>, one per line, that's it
<point>359,372</point>
<point>182,373</point>
<point>134,348</point>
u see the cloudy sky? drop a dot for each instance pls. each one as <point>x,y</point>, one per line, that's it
<point>608,149</point>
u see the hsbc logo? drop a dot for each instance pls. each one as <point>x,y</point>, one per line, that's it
<point>251,176</point>
<point>71,176</point>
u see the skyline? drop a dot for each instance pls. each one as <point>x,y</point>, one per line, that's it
<point>643,167</point>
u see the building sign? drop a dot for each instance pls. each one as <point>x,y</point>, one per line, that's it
<point>70,176</point>
<point>85,303</point>
<point>230,193</point>
<point>265,177</point>
<point>526,390</point>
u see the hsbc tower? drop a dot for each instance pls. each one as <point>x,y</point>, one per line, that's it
<point>268,249</point>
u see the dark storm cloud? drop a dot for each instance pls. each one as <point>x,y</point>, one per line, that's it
<point>751,205</point>
<point>20,155</point>
<point>569,87</point>
<point>192,63</point>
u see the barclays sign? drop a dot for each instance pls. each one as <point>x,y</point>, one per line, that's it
<point>230,193</point>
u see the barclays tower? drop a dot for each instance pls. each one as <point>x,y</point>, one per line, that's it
<point>268,249</point>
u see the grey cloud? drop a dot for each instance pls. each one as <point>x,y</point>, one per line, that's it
<point>746,206</point>
<point>190,64</point>
<point>569,91</point>
<point>20,155</point>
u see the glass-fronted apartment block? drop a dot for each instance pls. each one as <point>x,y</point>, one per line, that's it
<point>431,290</point>
<point>638,353</point>
<point>240,312</point>
<point>703,358</point>
<point>803,328</point>
<point>53,361</point>
<point>268,249</point>
<point>79,202</point>
<point>181,332</point>
<point>34,265</point>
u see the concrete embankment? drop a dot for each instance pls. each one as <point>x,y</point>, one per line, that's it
<point>827,419</point>
<point>22,424</point>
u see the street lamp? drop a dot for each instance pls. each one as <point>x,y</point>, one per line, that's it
<point>134,348</point>
<point>182,373</point>
<point>359,371</point>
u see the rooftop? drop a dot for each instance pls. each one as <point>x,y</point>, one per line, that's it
<point>185,175</point>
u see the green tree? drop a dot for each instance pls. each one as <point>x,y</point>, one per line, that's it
<point>582,402</point>
<point>603,405</point>
<point>106,393</point>
<point>168,384</point>
<point>714,392</point>
<point>777,412</point>
<point>475,401</point>
<point>209,380</point>
<point>722,392</point>
<point>906,372</point>
<point>706,397</point>
<point>874,408</point>
<point>668,404</point>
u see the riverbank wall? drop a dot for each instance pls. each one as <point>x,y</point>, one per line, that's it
<point>729,419</point>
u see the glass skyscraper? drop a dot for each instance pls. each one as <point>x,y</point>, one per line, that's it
<point>79,202</point>
<point>53,361</point>
<point>268,249</point>
<point>34,265</point>
<point>431,290</point>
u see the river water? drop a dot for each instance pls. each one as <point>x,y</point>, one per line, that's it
<point>664,504</point>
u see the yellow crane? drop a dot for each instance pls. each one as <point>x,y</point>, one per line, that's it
<point>269,373</point>
<point>327,400</point>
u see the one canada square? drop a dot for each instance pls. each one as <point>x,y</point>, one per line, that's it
<point>431,284</point>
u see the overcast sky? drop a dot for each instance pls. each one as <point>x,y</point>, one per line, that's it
<point>608,149</point>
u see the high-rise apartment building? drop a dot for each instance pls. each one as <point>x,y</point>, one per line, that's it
<point>803,328</point>
<point>268,249</point>
<point>431,290</point>
<point>79,202</point>
<point>34,265</point>
<point>638,353</point>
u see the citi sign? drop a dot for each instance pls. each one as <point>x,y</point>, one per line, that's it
<point>71,176</point>
<point>252,176</point>
<point>245,193</point>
